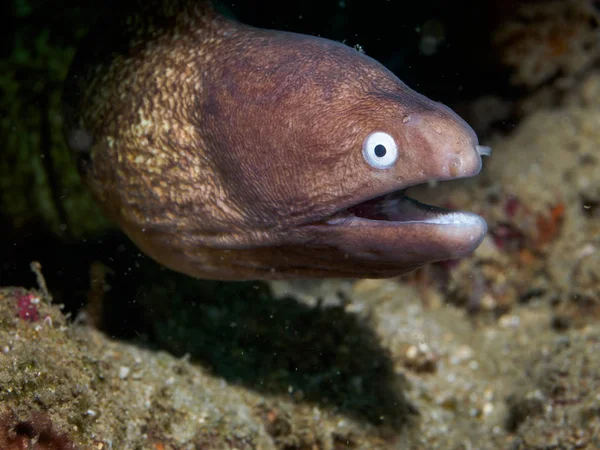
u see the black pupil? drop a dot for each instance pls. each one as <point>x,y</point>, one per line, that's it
<point>380,150</point>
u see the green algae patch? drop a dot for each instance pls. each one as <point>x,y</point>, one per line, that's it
<point>42,368</point>
<point>93,391</point>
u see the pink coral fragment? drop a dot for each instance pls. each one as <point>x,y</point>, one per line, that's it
<point>27,308</point>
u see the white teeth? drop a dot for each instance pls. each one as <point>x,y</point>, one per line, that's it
<point>454,218</point>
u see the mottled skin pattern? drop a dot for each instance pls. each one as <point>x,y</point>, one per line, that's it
<point>224,150</point>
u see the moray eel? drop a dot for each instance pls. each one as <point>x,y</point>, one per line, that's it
<point>231,152</point>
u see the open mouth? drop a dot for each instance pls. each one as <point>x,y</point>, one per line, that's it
<point>397,207</point>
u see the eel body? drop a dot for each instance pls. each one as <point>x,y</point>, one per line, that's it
<point>226,151</point>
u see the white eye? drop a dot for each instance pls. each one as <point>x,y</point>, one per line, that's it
<point>380,150</point>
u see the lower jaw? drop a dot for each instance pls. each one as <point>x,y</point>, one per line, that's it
<point>396,227</point>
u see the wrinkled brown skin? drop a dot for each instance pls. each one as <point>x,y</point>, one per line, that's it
<point>221,149</point>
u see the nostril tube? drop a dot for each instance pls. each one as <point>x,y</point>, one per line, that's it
<point>483,150</point>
